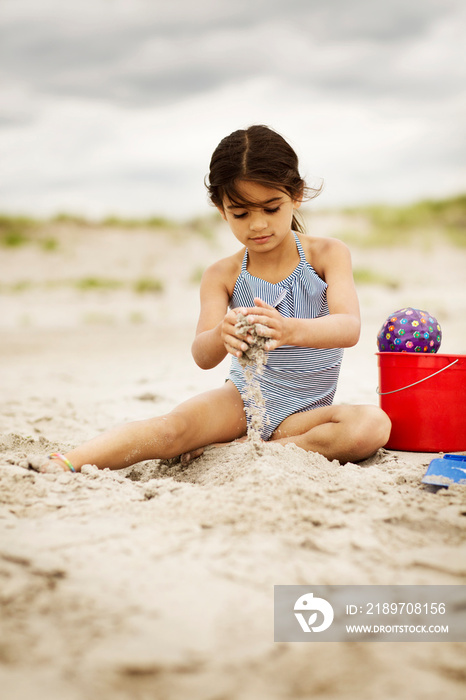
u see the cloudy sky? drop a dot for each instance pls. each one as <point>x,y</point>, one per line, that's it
<point>115,106</point>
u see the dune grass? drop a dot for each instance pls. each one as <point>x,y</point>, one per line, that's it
<point>148,285</point>
<point>16,230</point>
<point>86,284</point>
<point>153,222</point>
<point>422,222</point>
<point>140,285</point>
<point>367,276</point>
<point>196,275</point>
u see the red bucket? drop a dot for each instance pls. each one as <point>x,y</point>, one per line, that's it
<point>424,397</point>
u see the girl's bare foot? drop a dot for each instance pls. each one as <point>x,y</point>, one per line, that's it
<point>188,457</point>
<point>57,462</point>
<point>53,466</point>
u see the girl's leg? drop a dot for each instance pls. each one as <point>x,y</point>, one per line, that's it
<point>346,433</point>
<point>215,416</point>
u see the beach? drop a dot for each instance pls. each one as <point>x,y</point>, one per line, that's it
<point>156,581</point>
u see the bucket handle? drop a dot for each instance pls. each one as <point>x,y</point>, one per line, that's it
<point>384,393</point>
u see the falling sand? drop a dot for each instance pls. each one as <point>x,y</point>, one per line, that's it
<point>253,361</point>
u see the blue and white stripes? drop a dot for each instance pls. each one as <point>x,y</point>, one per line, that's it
<point>295,379</point>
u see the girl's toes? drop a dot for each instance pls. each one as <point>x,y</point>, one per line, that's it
<point>52,467</point>
<point>188,457</point>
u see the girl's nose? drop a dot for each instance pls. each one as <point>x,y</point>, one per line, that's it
<point>258,222</point>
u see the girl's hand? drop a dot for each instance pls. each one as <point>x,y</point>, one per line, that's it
<point>234,342</point>
<point>269,323</point>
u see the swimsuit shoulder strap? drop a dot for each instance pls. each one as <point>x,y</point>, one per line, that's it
<point>244,264</point>
<point>302,255</point>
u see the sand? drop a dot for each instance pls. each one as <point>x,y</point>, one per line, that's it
<point>252,361</point>
<point>157,581</point>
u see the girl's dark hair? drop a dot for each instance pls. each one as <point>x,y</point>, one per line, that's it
<point>257,154</point>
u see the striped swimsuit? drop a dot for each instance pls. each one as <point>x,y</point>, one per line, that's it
<point>295,379</point>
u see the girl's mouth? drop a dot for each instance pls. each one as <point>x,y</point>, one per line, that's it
<point>262,239</point>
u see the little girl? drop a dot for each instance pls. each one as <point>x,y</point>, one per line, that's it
<point>297,289</point>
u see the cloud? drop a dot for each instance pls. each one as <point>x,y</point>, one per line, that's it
<point>166,51</point>
<point>117,104</point>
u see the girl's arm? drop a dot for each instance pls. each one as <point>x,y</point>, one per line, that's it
<point>340,328</point>
<point>216,334</point>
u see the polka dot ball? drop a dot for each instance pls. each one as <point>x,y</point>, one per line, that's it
<point>410,330</point>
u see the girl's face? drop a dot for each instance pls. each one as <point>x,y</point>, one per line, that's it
<point>266,224</point>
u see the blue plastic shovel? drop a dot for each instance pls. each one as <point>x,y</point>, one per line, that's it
<point>446,470</point>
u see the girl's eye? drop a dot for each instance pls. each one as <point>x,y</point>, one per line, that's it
<point>245,213</point>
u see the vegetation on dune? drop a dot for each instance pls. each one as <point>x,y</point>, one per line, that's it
<point>97,283</point>
<point>16,230</point>
<point>421,221</point>
<point>153,222</point>
<point>365,275</point>
<point>145,285</point>
<point>140,285</point>
<point>196,275</point>
<point>74,219</point>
